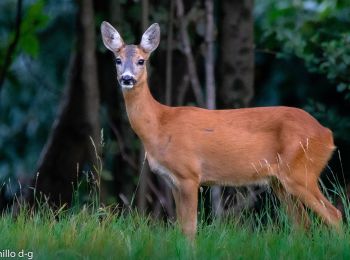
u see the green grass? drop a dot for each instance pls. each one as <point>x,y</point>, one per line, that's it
<point>103,235</point>
<point>98,233</point>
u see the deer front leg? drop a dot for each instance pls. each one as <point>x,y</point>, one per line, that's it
<point>186,200</point>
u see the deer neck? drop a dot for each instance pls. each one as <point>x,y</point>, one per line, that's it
<point>143,112</point>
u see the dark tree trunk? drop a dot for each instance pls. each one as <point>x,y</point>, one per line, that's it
<point>187,51</point>
<point>236,70</point>
<point>169,56</point>
<point>124,166</point>
<point>211,88</point>
<point>168,197</point>
<point>145,176</point>
<point>236,53</point>
<point>69,149</point>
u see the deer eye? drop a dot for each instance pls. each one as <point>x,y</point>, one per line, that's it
<point>118,61</point>
<point>141,62</point>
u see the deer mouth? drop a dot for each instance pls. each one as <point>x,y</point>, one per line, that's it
<point>126,86</point>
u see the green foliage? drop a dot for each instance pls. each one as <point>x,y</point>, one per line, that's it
<point>33,85</point>
<point>304,46</point>
<point>316,31</point>
<point>331,117</point>
<point>34,20</point>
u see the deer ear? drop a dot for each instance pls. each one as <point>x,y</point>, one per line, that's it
<point>111,38</point>
<point>150,38</point>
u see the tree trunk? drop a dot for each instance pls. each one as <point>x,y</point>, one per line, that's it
<point>143,190</point>
<point>169,56</point>
<point>211,88</point>
<point>209,56</point>
<point>187,50</point>
<point>69,149</point>
<point>168,197</point>
<point>236,53</point>
<point>236,70</point>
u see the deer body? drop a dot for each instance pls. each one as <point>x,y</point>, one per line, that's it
<point>281,146</point>
<point>225,147</point>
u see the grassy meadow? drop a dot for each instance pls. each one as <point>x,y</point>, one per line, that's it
<point>90,231</point>
<point>101,234</point>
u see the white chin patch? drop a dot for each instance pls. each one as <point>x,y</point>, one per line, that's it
<point>127,86</point>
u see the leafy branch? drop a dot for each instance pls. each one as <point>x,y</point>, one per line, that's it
<point>12,47</point>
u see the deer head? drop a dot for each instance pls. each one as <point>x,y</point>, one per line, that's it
<point>130,60</point>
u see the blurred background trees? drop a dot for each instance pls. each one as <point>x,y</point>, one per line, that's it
<point>58,86</point>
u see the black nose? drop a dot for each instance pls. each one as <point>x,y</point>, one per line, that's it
<point>128,80</point>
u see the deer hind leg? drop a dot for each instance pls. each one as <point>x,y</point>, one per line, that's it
<point>314,199</point>
<point>336,214</point>
<point>294,208</point>
<point>300,178</point>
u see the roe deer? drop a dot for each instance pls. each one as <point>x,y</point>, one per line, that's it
<point>282,146</point>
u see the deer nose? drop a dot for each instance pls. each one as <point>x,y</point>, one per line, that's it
<point>128,80</point>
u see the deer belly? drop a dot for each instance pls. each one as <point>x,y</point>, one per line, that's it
<point>229,172</point>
